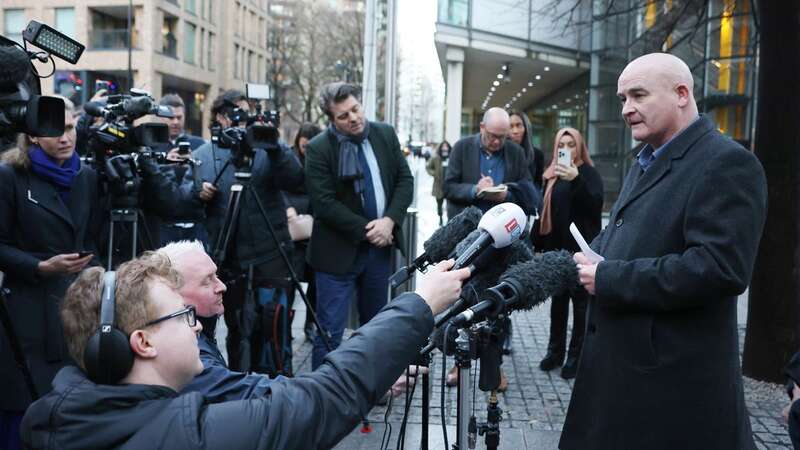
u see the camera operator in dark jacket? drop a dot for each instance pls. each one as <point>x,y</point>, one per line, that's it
<point>49,216</point>
<point>251,245</point>
<point>185,224</point>
<point>144,410</point>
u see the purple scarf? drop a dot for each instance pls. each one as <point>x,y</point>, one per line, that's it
<point>61,177</point>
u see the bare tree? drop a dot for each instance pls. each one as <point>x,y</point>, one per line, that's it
<point>318,45</point>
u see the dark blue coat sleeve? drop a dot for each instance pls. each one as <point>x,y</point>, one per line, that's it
<point>318,409</point>
<point>220,384</point>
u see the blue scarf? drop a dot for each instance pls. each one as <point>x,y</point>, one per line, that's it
<point>349,168</point>
<point>61,177</point>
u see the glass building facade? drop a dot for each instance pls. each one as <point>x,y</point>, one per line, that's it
<point>716,38</point>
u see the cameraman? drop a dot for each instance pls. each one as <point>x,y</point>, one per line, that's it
<point>182,225</point>
<point>251,247</point>
<point>49,220</point>
<point>144,410</point>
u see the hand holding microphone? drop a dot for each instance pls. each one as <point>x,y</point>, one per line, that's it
<point>442,286</point>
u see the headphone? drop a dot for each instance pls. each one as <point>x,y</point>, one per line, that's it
<point>108,356</point>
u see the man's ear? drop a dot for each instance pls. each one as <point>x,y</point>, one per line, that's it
<point>684,94</point>
<point>141,345</point>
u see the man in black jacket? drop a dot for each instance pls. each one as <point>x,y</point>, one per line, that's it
<point>360,187</point>
<point>480,163</point>
<point>144,409</point>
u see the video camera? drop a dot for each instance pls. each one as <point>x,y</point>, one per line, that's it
<point>22,107</point>
<point>260,131</point>
<point>117,135</point>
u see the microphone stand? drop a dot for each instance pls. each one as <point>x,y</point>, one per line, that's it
<point>465,353</point>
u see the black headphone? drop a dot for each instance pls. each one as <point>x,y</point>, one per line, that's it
<point>108,356</point>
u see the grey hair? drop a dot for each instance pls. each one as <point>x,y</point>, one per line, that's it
<point>177,251</point>
<point>336,92</point>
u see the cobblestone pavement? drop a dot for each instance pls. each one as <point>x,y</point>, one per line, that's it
<point>535,404</point>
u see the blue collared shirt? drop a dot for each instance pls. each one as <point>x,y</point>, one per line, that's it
<point>647,155</point>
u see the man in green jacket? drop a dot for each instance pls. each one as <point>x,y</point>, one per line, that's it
<point>360,187</point>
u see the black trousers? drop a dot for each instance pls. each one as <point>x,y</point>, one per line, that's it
<point>559,312</point>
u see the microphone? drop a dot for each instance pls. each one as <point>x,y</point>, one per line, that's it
<point>488,269</point>
<point>441,243</point>
<point>499,227</point>
<point>526,285</point>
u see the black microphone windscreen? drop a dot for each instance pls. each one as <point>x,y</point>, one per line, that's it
<point>16,65</point>
<point>491,265</point>
<point>443,240</point>
<point>546,275</point>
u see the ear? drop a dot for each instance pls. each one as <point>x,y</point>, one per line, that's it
<point>141,345</point>
<point>683,95</point>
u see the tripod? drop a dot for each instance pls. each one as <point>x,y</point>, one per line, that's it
<point>123,187</point>
<point>240,188</point>
<point>473,343</point>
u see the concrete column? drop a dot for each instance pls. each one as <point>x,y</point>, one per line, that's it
<point>454,93</point>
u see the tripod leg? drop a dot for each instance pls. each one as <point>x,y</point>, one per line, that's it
<point>228,225</point>
<point>326,337</point>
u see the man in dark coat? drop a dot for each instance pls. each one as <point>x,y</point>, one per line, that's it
<point>360,187</point>
<point>144,409</point>
<point>486,160</point>
<point>251,245</point>
<point>660,364</point>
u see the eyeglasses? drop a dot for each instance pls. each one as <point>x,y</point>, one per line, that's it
<point>494,137</point>
<point>189,311</point>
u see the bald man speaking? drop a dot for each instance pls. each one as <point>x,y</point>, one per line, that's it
<point>660,364</point>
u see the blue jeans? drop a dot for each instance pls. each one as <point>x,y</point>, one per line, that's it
<point>367,281</point>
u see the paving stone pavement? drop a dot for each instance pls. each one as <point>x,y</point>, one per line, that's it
<point>536,402</point>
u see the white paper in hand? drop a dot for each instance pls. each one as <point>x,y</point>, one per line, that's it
<point>593,257</point>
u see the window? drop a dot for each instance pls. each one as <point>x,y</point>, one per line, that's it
<point>65,21</point>
<point>249,75</point>
<point>14,23</point>
<point>188,42</point>
<point>236,61</point>
<point>210,52</point>
<point>190,6</point>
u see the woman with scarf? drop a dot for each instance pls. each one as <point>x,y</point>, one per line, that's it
<point>573,194</point>
<point>49,219</point>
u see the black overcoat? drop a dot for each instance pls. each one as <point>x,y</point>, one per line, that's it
<point>35,225</point>
<point>660,364</point>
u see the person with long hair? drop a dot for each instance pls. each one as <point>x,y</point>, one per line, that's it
<point>298,205</point>
<point>573,194</point>
<point>49,219</point>
<point>436,167</point>
<point>522,135</point>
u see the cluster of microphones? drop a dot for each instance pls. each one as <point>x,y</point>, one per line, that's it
<point>505,274</point>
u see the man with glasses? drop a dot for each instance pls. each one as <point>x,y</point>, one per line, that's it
<point>479,166</point>
<point>144,410</point>
<point>481,163</point>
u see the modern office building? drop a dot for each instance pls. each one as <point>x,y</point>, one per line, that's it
<point>195,48</point>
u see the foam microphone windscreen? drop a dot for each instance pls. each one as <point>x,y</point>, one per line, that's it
<point>491,265</point>
<point>16,66</point>
<point>546,275</point>
<point>443,240</point>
